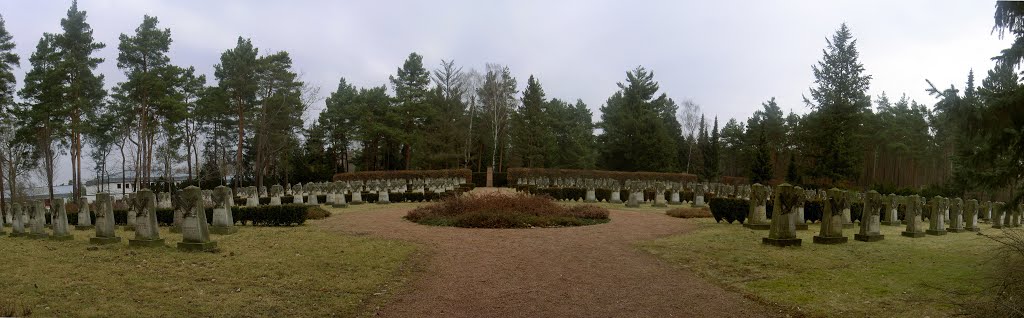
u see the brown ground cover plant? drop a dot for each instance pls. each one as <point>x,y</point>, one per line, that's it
<point>689,213</point>
<point>495,210</point>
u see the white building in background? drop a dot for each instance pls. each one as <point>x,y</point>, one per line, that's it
<point>118,186</point>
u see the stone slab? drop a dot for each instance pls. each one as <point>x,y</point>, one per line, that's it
<point>84,227</point>
<point>781,242</point>
<point>973,229</point>
<point>935,232</point>
<point>223,230</point>
<point>146,243</point>
<point>830,240</point>
<point>104,240</point>
<point>868,237</point>
<point>62,237</point>
<point>913,234</point>
<point>196,247</point>
<point>759,227</point>
<point>952,230</point>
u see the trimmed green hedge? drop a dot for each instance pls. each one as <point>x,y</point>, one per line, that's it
<point>264,215</point>
<point>729,210</point>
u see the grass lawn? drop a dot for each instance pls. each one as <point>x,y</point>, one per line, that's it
<point>896,277</point>
<point>260,271</point>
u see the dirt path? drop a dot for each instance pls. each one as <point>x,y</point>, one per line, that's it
<point>590,271</point>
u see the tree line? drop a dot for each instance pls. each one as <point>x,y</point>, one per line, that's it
<point>246,125</point>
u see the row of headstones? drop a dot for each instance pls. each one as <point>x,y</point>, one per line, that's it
<point>636,189</point>
<point>28,220</point>
<point>335,191</point>
<point>787,214</point>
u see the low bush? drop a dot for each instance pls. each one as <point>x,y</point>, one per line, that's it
<point>315,212</point>
<point>505,211</point>
<point>729,210</point>
<point>689,213</point>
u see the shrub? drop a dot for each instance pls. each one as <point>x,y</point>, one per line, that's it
<point>689,213</point>
<point>314,212</point>
<point>505,211</point>
<point>514,174</point>
<point>730,210</point>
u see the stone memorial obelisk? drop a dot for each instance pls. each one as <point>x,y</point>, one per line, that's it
<point>757,216</point>
<point>971,215</point>
<point>147,234</point>
<point>60,221</point>
<point>223,221</point>
<point>783,227</point>
<point>17,222</point>
<point>870,221</point>
<point>832,218</point>
<point>195,231</point>
<point>915,225</point>
<point>936,220</point>
<point>38,221</point>
<point>956,216</point>
<point>104,220</point>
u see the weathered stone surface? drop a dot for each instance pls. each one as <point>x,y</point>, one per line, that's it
<point>104,220</point>
<point>971,215</point>
<point>615,197</point>
<point>870,224</point>
<point>59,219</point>
<point>179,215</point>
<point>195,231</point>
<point>757,217</point>
<point>997,214</point>
<point>223,221</point>
<point>38,220</point>
<point>84,215</point>
<point>889,210</point>
<point>783,227</point>
<point>146,231</point>
<point>956,216</point>
<point>832,218</point>
<point>937,218</point>
<point>17,220</point>
<point>914,205</point>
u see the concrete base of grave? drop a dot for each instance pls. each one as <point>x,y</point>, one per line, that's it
<point>759,227</point>
<point>952,230</point>
<point>17,234</point>
<point>338,206</point>
<point>38,236</point>
<point>223,230</point>
<point>146,243</point>
<point>913,234</point>
<point>801,226</point>
<point>781,242</point>
<point>130,228</point>
<point>104,240</point>
<point>935,232</point>
<point>615,201</point>
<point>84,227</point>
<point>868,237</point>
<point>973,229</point>
<point>847,225</point>
<point>830,239</point>
<point>62,237</point>
<point>197,247</point>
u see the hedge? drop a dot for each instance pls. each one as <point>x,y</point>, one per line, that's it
<point>264,215</point>
<point>514,174</point>
<point>404,174</point>
<point>731,210</point>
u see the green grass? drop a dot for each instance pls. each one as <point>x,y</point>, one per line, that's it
<point>259,271</point>
<point>896,277</point>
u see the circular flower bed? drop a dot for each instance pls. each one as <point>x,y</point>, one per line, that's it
<point>505,211</point>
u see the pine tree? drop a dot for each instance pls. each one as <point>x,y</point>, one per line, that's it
<point>840,102</point>
<point>791,174</point>
<point>411,87</point>
<point>761,168</point>
<point>532,126</point>
<point>236,79</point>
<point>43,112</point>
<point>8,60</point>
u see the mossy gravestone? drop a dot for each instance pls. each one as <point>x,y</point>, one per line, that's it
<point>832,218</point>
<point>195,232</point>
<point>104,220</point>
<point>223,221</point>
<point>339,195</point>
<point>275,194</point>
<point>997,215</point>
<point>84,215</point>
<point>889,205</point>
<point>147,234</point>
<point>757,217</point>
<point>870,220</point>
<point>971,215</point>
<point>956,216</point>
<point>783,227</point>
<point>937,218</point>
<point>60,221</point>
<point>17,226</point>
<point>915,225</point>
<point>179,215</point>
<point>130,201</point>
<point>38,221</point>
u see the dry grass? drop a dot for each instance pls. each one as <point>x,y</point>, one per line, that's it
<point>689,213</point>
<point>896,277</point>
<point>505,210</point>
<point>260,271</point>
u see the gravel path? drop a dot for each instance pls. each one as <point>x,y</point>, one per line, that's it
<point>589,271</point>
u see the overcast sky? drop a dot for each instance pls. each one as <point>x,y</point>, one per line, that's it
<point>727,56</point>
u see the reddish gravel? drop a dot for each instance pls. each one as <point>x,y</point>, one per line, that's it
<point>589,271</point>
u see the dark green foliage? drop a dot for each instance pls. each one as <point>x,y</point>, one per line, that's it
<point>689,213</point>
<point>813,211</point>
<point>729,210</point>
<point>792,177</point>
<point>639,129</point>
<point>762,165</point>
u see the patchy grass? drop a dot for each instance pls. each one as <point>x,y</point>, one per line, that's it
<point>259,271</point>
<point>497,210</point>
<point>896,277</point>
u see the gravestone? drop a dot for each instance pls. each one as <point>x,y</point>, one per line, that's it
<point>179,214</point>
<point>60,221</point>
<point>800,219</point>
<point>195,231</point>
<point>832,218</point>
<point>252,198</point>
<point>1015,219</point>
<point>357,192</point>
<point>591,195</point>
<point>104,220</point>
<point>956,216</point>
<point>615,196</point>
<point>130,225</point>
<point>312,199</point>
<point>147,234</point>
<point>223,221</point>
<point>915,225</point>
<point>659,195</point>
<point>783,227</point>
<point>971,215</point>
<point>847,215</point>
<point>17,221</point>
<point>997,215</point>
<point>889,210</point>
<point>757,216</point>
<point>870,221</point>
<point>38,221</point>
<point>84,215</point>
<point>297,194</point>
<point>698,195</point>
<point>339,195</point>
<point>674,198</point>
<point>936,220</point>
<point>383,192</point>
<point>275,194</point>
